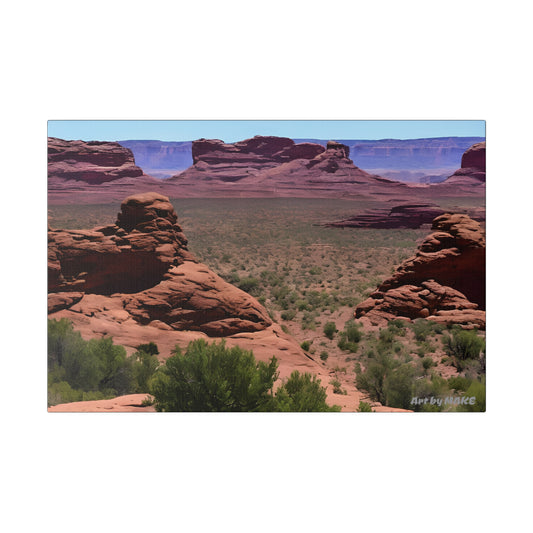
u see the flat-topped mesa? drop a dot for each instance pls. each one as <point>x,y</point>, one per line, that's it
<point>258,150</point>
<point>92,162</point>
<point>141,267</point>
<point>443,282</point>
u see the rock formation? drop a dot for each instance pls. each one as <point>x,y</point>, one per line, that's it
<point>137,282</point>
<point>472,172</point>
<point>443,282</point>
<point>143,262</point>
<point>276,166</point>
<point>80,171</point>
<point>400,216</point>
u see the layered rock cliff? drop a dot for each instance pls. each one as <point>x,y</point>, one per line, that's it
<point>443,282</point>
<point>93,171</point>
<point>472,173</point>
<point>276,166</point>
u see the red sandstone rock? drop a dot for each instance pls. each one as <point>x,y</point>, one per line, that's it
<point>443,282</point>
<point>472,173</point>
<point>142,262</point>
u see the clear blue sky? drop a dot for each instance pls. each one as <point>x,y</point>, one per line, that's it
<point>237,130</point>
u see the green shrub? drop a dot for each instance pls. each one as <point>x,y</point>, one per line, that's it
<point>459,383</point>
<point>249,285</point>
<point>288,315</point>
<point>477,389</point>
<point>305,345</point>
<point>427,363</point>
<point>330,329</point>
<point>464,344</point>
<point>324,355</point>
<point>364,407</point>
<point>211,377</point>
<point>302,393</point>
<point>353,333</point>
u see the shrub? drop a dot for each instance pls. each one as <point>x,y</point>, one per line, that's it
<point>249,285</point>
<point>302,393</point>
<point>288,315</point>
<point>364,407</point>
<point>211,377</point>
<point>464,344</point>
<point>353,333</point>
<point>477,389</point>
<point>324,355</point>
<point>427,363</point>
<point>330,329</point>
<point>305,345</point>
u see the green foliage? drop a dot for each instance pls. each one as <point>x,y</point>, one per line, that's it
<point>324,355</point>
<point>249,285</point>
<point>459,383</point>
<point>330,329</point>
<point>353,333</point>
<point>388,381</point>
<point>477,389</point>
<point>364,407</point>
<point>427,363</point>
<point>288,315</point>
<point>95,369</point>
<point>305,345</point>
<point>464,344</point>
<point>423,328</point>
<point>302,393</point>
<point>211,377</point>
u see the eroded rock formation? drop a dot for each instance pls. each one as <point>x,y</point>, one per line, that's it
<point>443,282</point>
<point>276,166</point>
<point>141,266</point>
<point>473,169</point>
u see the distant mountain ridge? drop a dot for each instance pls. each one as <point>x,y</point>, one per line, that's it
<point>394,154</point>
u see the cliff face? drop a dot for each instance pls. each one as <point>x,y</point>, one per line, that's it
<point>92,162</point>
<point>276,166</point>
<point>472,173</point>
<point>443,282</point>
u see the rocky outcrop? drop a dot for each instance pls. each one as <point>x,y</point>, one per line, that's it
<point>92,162</point>
<point>443,282</point>
<point>92,172</point>
<point>472,173</point>
<point>400,216</point>
<point>140,266</point>
<point>276,166</point>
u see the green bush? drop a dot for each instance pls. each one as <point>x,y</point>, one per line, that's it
<point>211,377</point>
<point>353,333</point>
<point>249,285</point>
<point>464,344</point>
<point>302,393</point>
<point>364,407</point>
<point>330,329</point>
<point>477,389</point>
<point>324,355</point>
<point>305,345</point>
<point>95,369</point>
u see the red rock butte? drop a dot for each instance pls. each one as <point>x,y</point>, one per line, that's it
<point>444,282</point>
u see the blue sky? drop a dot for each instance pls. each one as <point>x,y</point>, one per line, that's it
<point>236,130</point>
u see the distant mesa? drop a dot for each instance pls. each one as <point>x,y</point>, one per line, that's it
<point>473,169</point>
<point>277,166</point>
<point>93,162</point>
<point>411,215</point>
<point>93,171</point>
<point>443,282</point>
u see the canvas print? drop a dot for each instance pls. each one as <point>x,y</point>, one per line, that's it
<point>266,266</point>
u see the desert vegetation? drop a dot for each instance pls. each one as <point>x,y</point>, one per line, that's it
<point>310,278</point>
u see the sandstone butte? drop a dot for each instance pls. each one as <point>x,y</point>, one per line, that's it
<point>444,282</point>
<point>472,174</point>
<point>278,167</point>
<point>136,281</point>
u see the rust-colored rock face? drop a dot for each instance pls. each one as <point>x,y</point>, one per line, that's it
<point>276,166</point>
<point>140,268</point>
<point>444,281</point>
<point>472,173</point>
<point>92,162</point>
<point>475,157</point>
